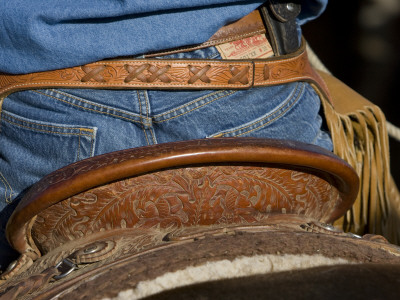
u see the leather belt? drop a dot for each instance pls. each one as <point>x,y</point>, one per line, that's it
<point>152,73</point>
<point>171,74</point>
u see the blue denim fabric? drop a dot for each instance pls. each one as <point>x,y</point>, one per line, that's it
<point>43,130</point>
<point>43,35</point>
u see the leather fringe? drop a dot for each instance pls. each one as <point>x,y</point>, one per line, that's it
<point>359,134</point>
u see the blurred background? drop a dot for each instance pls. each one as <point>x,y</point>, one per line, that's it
<point>359,42</point>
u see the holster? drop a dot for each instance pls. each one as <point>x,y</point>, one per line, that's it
<point>280,20</point>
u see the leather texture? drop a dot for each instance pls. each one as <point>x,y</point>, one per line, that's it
<point>121,260</point>
<point>284,10</point>
<point>358,130</point>
<point>280,19</point>
<point>117,190</point>
<point>171,74</point>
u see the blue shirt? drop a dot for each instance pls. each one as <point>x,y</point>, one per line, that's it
<point>40,35</point>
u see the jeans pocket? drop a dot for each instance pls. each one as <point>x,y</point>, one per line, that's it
<point>293,113</point>
<point>269,117</point>
<point>31,149</point>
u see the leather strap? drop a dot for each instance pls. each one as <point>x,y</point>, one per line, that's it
<point>171,74</point>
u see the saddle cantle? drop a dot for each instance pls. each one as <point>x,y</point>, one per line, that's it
<point>182,184</point>
<point>185,199</point>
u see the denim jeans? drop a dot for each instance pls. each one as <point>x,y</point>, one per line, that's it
<point>43,130</point>
<point>41,35</point>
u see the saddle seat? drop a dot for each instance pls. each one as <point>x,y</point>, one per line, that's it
<point>213,182</point>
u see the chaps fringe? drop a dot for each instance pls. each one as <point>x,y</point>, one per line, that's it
<point>359,134</point>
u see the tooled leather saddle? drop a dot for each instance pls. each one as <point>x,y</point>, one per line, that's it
<point>116,221</point>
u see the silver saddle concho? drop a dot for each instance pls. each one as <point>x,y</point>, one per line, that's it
<point>233,218</point>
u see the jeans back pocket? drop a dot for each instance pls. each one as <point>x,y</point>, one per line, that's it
<point>31,149</point>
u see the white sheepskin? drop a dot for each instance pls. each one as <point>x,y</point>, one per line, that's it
<point>225,269</point>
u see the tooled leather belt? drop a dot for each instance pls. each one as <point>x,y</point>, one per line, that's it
<point>153,73</point>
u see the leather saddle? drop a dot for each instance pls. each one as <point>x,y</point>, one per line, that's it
<point>149,211</point>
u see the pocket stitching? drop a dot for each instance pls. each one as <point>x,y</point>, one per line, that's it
<point>89,109</point>
<point>186,112</point>
<point>221,134</point>
<point>48,126</point>
<point>7,187</point>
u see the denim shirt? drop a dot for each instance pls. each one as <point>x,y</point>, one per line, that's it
<point>43,35</point>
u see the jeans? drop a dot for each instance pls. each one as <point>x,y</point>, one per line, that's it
<point>43,130</point>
